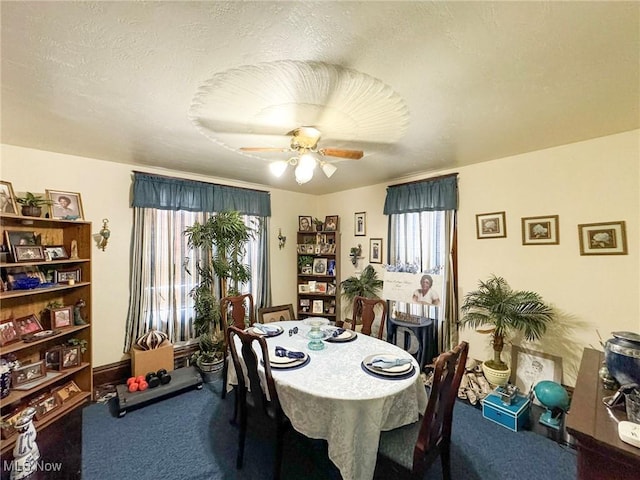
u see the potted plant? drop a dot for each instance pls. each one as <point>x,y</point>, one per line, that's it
<point>366,285</point>
<point>318,223</point>
<point>304,261</point>
<point>32,204</point>
<point>504,311</point>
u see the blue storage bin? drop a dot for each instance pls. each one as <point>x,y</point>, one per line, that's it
<point>514,416</point>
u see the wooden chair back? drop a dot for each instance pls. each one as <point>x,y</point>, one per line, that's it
<point>276,314</point>
<point>241,308</point>
<point>364,309</point>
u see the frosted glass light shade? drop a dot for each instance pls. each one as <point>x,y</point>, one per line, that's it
<point>328,169</point>
<point>278,168</point>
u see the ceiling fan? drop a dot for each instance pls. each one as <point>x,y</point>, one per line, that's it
<point>304,142</point>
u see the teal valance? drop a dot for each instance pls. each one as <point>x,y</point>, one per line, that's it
<point>426,195</point>
<point>169,193</point>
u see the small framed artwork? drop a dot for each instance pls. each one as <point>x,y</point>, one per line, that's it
<point>28,373</point>
<point>73,275</point>
<point>8,204</point>
<point>61,317</point>
<point>318,306</point>
<point>305,302</point>
<point>8,423</point>
<point>331,223</point>
<point>491,225</point>
<point>55,252</point>
<point>331,289</point>
<point>276,314</point>
<point>321,287</point>
<point>70,357</point>
<point>319,266</point>
<point>27,325</point>
<point>44,405</point>
<point>540,230</point>
<point>303,288</point>
<point>305,224</point>
<point>65,205</point>
<point>360,224</point>
<point>28,253</point>
<point>375,250</point>
<point>608,238</point>
<point>52,359</point>
<point>528,367</point>
<point>8,332</point>
<point>67,391</point>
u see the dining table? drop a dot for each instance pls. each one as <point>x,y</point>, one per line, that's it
<point>334,397</point>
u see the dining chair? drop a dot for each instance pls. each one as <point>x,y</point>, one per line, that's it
<point>364,309</point>
<point>261,397</point>
<point>234,310</point>
<point>430,436</point>
<point>276,314</point>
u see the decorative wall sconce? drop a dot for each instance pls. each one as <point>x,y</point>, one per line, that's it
<point>281,239</point>
<point>355,253</point>
<point>105,233</point>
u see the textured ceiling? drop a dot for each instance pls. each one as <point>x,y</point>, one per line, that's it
<point>480,80</point>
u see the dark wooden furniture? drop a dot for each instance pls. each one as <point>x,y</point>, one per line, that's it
<point>278,313</point>
<point>601,453</point>
<point>364,310</point>
<point>424,331</point>
<point>233,311</point>
<point>430,436</point>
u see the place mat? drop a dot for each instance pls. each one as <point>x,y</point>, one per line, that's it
<point>409,374</point>
<point>392,371</point>
<point>349,337</point>
<point>256,331</point>
<point>299,363</point>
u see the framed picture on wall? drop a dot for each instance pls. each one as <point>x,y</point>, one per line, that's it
<point>609,238</point>
<point>375,250</point>
<point>540,230</point>
<point>491,225</point>
<point>360,224</point>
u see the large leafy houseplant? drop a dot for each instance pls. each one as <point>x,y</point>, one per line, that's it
<point>505,312</point>
<point>366,285</point>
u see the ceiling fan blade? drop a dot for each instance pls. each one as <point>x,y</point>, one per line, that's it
<point>264,149</point>
<point>342,153</point>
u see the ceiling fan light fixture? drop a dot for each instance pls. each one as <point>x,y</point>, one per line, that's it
<point>278,168</point>
<point>328,169</point>
<point>303,173</point>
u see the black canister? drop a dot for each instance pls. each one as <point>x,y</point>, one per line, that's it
<point>622,355</point>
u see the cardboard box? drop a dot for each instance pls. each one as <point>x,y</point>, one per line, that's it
<point>145,361</point>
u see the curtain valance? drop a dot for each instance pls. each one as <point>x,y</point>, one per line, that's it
<point>427,195</point>
<point>167,193</point>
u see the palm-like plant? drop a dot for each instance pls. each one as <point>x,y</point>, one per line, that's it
<point>366,285</point>
<point>506,311</point>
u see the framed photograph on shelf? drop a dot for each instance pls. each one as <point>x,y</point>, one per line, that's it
<point>375,250</point>
<point>318,306</point>
<point>540,230</point>
<point>331,223</point>
<point>52,358</point>
<point>44,405</point>
<point>491,225</point>
<point>319,266</point>
<point>70,357</point>
<point>65,276</point>
<point>8,204</point>
<point>28,253</point>
<point>321,287</point>
<point>303,288</point>
<point>607,238</point>
<point>360,224</point>
<point>28,324</point>
<point>65,205</point>
<point>55,252</point>
<point>19,237</point>
<point>528,367</point>
<point>9,422</point>
<point>28,373</point>
<point>61,317</point>
<point>67,391</point>
<point>8,332</point>
<point>305,224</point>
<point>331,289</point>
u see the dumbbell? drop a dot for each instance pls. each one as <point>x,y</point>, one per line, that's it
<point>163,376</point>
<point>152,379</point>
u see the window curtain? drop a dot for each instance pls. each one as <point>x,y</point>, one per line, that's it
<point>422,235</point>
<point>160,283</point>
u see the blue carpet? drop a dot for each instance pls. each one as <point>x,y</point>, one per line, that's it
<point>189,436</point>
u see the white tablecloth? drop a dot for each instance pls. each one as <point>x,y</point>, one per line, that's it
<point>332,398</point>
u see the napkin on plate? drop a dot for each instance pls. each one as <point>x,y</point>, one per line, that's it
<point>283,352</point>
<point>337,332</point>
<point>388,362</point>
<point>266,329</point>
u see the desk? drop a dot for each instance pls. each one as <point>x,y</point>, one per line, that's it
<point>601,453</point>
<point>333,399</point>
<point>424,331</point>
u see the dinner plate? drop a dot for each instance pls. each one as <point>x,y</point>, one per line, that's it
<point>256,331</point>
<point>346,336</point>
<point>392,371</point>
<point>273,358</point>
<point>297,362</point>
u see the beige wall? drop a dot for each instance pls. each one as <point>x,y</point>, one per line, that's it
<point>587,182</point>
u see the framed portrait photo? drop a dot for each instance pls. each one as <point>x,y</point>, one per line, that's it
<point>540,230</point>
<point>8,204</point>
<point>491,225</point>
<point>528,367</point>
<point>28,373</point>
<point>70,357</point>
<point>8,332</point>
<point>67,391</point>
<point>375,250</point>
<point>319,266</point>
<point>52,358</point>
<point>317,307</point>
<point>609,238</point>
<point>61,317</point>
<point>65,205</point>
<point>360,224</point>
<point>305,224</point>
<point>19,237</point>
<point>28,253</point>
<point>44,405</point>
<point>303,288</point>
<point>64,276</point>
<point>27,325</point>
<point>331,223</point>
<point>55,252</point>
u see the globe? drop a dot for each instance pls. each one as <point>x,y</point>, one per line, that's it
<point>556,400</point>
